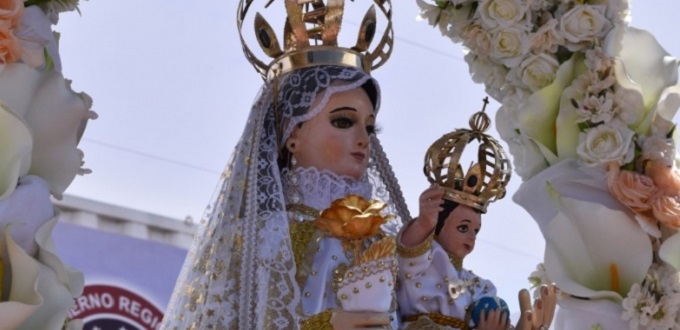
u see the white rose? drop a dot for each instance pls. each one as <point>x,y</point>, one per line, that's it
<point>451,21</point>
<point>547,38</point>
<point>527,158</point>
<point>502,13</point>
<point>509,46</point>
<point>484,71</point>
<point>628,104</point>
<point>657,148</point>
<point>583,25</point>
<point>536,71</point>
<point>618,12</point>
<point>598,60</point>
<point>478,40</point>
<point>606,143</point>
<point>516,98</point>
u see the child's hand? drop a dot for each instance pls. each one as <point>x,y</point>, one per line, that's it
<point>420,228</point>
<point>494,320</point>
<point>430,206</point>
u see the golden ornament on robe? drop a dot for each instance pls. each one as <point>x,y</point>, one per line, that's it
<point>352,218</point>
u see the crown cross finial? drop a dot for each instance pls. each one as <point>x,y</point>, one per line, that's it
<point>480,121</point>
<point>485,180</point>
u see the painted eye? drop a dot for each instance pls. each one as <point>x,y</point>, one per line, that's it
<point>462,228</point>
<point>371,129</point>
<point>342,123</point>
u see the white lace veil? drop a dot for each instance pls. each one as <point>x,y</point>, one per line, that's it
<point>240,270</point>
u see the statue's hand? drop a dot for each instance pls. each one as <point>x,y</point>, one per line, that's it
<point>430,202</point>
<point>540,315</point>
<point>494,320</point>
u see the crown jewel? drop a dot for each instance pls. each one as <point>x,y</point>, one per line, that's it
<point>485,180</point>
<point>310,37</point>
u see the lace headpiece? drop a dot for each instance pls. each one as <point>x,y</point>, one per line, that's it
<point>487,177</point>
<point>311,37</point>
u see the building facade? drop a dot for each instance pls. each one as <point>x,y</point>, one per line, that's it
<point>130,261</point>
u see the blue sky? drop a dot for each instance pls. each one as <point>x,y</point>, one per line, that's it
<point>173,89</point>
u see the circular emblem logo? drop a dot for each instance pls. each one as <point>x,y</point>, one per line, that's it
<point>108,307</point>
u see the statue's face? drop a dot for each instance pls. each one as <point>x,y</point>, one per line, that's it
<point>338,138</point>
<point>460,231</point>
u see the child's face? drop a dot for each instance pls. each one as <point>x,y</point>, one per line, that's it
<point>460,230</point>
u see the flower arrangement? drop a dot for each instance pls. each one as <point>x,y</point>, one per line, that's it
<point>587,103</point>
<point>41,122</point>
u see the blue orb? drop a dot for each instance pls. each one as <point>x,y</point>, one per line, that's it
<point>487,304</point>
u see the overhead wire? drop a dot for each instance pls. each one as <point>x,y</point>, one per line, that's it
<point>212,171</point>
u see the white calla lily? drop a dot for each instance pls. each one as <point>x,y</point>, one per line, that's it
<point>55,114</point>
<point>670,251</point>
<point>659,121</point>
<point>41,288</point>
<point>18,84</point>
<point>56,157</point>
<point>569,178</point>
<point>566,124</point>
<point>647,63</point>
<point>537,119</point>
<point>16,143</point>
<point>588,314</point>
<point>595,252</point>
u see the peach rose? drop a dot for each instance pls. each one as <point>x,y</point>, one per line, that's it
<point>11,11</point>
<point>667,210</point>
<point>10,50</point>
<point>665,178</point>
<point>633,189</point>
<point>547,38</point>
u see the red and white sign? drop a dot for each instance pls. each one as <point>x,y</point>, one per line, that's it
<point>111,307</point>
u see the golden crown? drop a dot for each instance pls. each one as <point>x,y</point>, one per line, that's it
<point>485,180</point>
<point>311,37</point>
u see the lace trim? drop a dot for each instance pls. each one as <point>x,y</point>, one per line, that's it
<point>416,250</point>
<point>319,188</point>
<point>321,321</point>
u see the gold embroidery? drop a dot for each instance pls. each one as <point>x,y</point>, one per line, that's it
<point>416,250</point>
<point>300,235</point>
<point>422,319</point>
<point>303,209</point>
<point>321,321</point>
<point>338,276</point>
<point>455,261</point>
